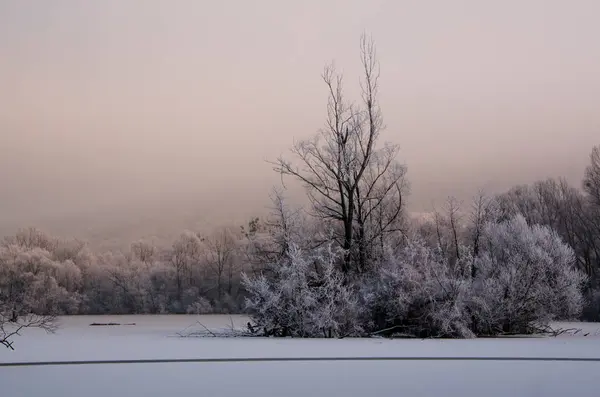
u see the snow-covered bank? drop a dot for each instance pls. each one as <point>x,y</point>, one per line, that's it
<point>155,337</point>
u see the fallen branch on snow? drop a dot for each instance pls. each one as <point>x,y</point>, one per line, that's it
<point>228,332</point>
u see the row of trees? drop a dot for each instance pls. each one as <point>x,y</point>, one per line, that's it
<point>352,263</point>
<point>196,274</point>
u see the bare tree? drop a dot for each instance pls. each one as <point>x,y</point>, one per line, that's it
<point>220,257</point>
<point>591,181</point>
<point>184,254</point>
<point>454,220</point>
<point>483,211</point>
<point>347,178</point>
<point>268,241</point>
<point>448,227</point>
<point>379,203</point>
<point>11,326</point>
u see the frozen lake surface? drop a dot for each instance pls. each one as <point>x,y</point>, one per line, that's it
<point>156,337</point>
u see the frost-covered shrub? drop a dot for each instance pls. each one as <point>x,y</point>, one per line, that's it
<point>526,278</point>
<point>415,292</point>
<point>305,297</point>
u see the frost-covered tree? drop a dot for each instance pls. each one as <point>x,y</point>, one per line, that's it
<point>268,241</point>
<point>306,297</point>
<point>572,214</point>
<point>417,292</point>
<point>184,256</point>
<point>527,277</point>
<point>220,254</point>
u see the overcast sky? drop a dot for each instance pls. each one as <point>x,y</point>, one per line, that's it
<point>114,103</point>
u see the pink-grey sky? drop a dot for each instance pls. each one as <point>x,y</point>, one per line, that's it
<point>106,105</point>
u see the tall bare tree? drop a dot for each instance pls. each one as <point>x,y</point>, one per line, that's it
<point>350,182</point>
<point>483,210</point>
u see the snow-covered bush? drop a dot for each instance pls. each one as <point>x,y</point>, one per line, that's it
<point>305,297</point>
<point>415,292</point>
<point>526,278</point>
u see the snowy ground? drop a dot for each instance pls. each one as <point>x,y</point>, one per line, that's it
<point>155,337</point>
